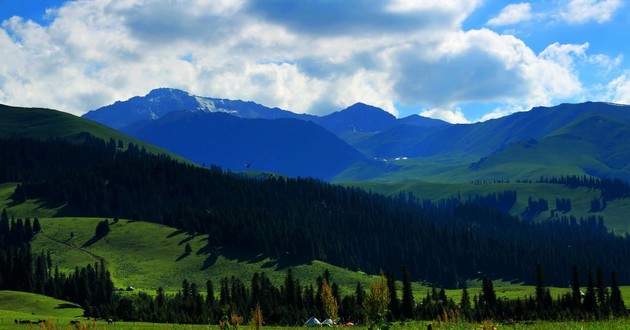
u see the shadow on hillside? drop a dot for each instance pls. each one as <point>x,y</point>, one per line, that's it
<point>186,240</point>
<point>210,261</point>
<point>182,256</point>
<point>65,306</point>
<point>206,250</point>
<point>281,263</point>
<point>92,241</point>
<point>175,233</point>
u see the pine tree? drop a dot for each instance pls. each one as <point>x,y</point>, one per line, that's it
<point>590,303</point>
<point>464,304</point>
<point>576,294</point>
<point>602,292</point>
<point>617,304</point>
<point>407,304</point>
<point>393,298</point>
<point>209,294</point>
<point>540,288</point>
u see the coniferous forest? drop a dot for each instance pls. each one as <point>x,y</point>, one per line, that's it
<point>443,243</point>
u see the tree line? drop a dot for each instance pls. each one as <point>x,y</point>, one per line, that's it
<point>440,242</point>
<point>293,302</point>
<point>22,270</point>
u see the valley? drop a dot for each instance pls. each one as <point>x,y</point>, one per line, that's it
<point>455,213</point>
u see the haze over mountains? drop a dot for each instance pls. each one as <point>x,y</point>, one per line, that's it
<point>363,142</point>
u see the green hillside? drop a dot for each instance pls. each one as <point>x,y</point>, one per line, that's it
<point>41,123</point>
<point>570,139</point>
<point>146,255</point>
<point>615,214</point>
<point>30,306</point>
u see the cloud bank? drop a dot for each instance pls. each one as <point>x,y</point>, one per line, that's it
<point>307,56</point>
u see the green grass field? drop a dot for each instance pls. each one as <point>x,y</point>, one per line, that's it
<point>41,123</point>
<point>146,256</point>
<point>29,306</point>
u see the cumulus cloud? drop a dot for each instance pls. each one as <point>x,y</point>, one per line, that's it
<point>512,14</point>
<point>455,116</point>
<point>618,90</point>
<point>584,11</point>
<point>306,56</point>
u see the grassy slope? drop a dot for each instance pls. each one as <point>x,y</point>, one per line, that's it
<point>44,123</point>
<point>30,306</point>
<point>614,215</point>
<point>147,255</point>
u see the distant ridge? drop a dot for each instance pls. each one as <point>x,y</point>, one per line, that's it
<point>40,123</point>
<point>286,146</point>
<point>162,101</point>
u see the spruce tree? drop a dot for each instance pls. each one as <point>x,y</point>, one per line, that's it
<point>407,304</point>
<point>464,305</point>
<point>576,294</point>
<point>617,304</point>
<point>393,298</point>
<point>540,288</point>
<point>590,302</point>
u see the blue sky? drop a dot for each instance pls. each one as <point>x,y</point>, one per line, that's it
<point>458,60</point>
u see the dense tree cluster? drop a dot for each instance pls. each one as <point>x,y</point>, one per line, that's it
<point>442,243</point>
<point>292,303</point>
<point>563,205</point>
<point>535,207</point>
<point>21,270</point>
<point>610,189</point>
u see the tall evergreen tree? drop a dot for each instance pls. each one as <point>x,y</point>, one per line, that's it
<point>617,304</point>
<point>393,306</point>
<point>602,292</point>
<point>407,304</point>
<point>540,288</point>
<point>464,305</point>
<point>590,301</point>
<point>576,293</point>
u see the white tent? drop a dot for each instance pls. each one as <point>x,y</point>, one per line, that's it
<point>312,322</point>
<point>328,323</point>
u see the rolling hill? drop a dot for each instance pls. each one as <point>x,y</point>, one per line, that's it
<point>570,139</point>
<point>39,123</point>
<point>287,146</point>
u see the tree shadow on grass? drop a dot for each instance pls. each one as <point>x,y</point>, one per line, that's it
<point>280,263</point>
<point>92,241</point>
<point>175,233</point>
<point>210,261</point>
<point>65,306</point>
<point>182,256</point>
<point>186,240</point>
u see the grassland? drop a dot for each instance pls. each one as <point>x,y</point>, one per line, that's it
<point>615,214</point>
<point>41,123</point>
<point>28,306</point>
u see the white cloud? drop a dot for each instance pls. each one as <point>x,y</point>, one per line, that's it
<point>512,14</point>
<point>96,52</point>
<point>618,90</point>
<point>605,63</point>
<point>454,116</point>
<point>584,11</point>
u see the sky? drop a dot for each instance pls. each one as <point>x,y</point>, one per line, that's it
<point>456,60</point>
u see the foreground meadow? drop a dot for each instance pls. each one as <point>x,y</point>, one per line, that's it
<point>587,325</point>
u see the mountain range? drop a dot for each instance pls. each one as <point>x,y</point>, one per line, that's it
<point>363,142</point>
